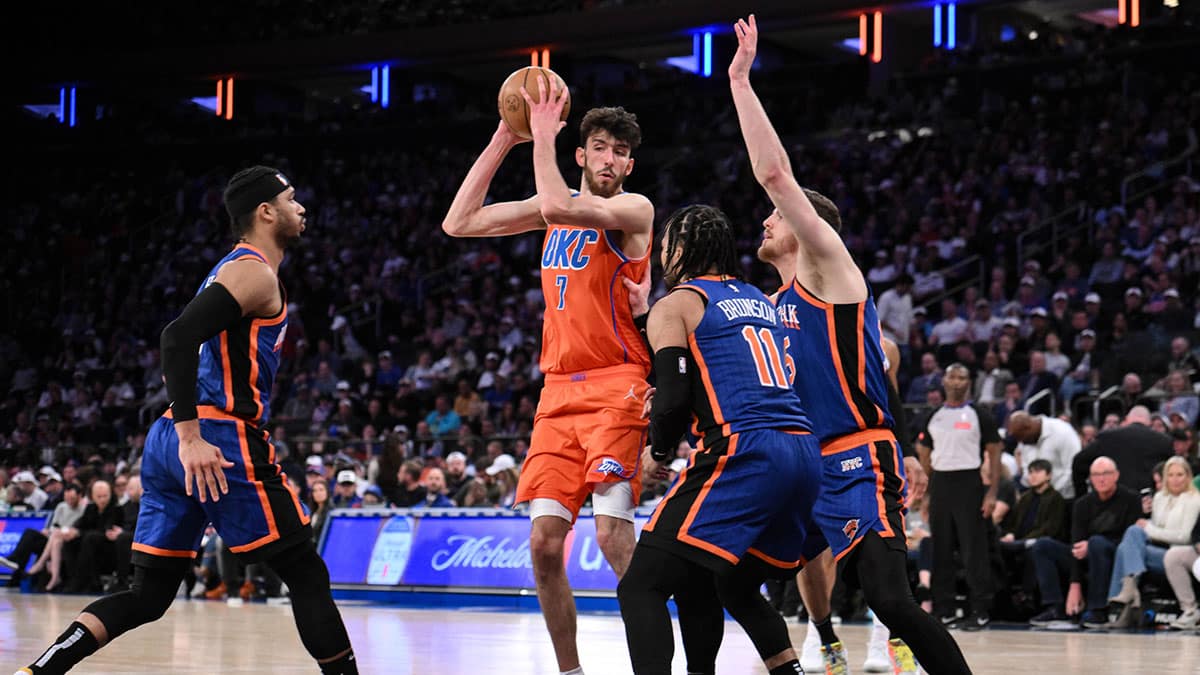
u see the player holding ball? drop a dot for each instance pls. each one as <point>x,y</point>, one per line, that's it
<point>588,433</point>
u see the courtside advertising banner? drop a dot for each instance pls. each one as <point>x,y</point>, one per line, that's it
<point>452,548</point>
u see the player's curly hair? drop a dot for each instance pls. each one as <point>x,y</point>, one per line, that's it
<point>703,238</point>
<point>619,122</point>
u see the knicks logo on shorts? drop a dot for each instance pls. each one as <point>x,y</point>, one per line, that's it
<point>852,464</point>
<point>850,529</point>
<point>612,467</point>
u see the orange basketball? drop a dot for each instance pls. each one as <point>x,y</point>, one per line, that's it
<point>513,109</point>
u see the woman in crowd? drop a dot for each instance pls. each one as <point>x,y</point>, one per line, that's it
<point>1145,543</point>
<point>318,506</point>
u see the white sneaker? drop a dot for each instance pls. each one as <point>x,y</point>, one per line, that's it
<point>810,654</point>
<point>878,660</point>
<point>1187,621</point>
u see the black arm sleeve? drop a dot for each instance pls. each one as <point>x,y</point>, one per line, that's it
<point>209,313</point>
<point>639,322</point>
<point>672,406</point>
<point>900,422</point>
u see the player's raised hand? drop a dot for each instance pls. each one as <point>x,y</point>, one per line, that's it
<point>506,136</point>
<point>747,35</point>
<point>545,115</point>
<point>203,464</point>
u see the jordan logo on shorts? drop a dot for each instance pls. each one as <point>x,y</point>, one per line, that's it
<point>850,528</point>
<point>631,394</point>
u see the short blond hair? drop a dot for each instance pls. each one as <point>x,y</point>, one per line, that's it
<point>1189,486</point>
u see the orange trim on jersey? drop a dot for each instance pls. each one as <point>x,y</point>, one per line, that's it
<point>162,552</point>
<point>706,378</point>
<point>808,297</point>
<point>879,503</point>
<point>304,519</point>
<point>255,394</point>
<point>253,248</point>
<point>674,488</point>
<point>227,374</point>
<point>774,562</point>
<point>273,533</point>
<point>692,512</point>
<point>898,459</point>
<point>849,548</point>
<point>711,548</point>
<point>854,440</point>
<point>831,328</point>
<point>208,412</point>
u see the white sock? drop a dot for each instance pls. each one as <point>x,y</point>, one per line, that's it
<point>877,623</point>
<point>576,671</point>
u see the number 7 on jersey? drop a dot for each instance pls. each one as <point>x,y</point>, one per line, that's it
<point>561,282</point>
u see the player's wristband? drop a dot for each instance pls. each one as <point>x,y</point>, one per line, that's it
<point>639,322</point>
<point>672,406</point>
<point>212,310</point>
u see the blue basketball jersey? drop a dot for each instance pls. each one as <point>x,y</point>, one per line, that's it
<point>843,382</point>
<point>237,367</point>
<point>741,380</point>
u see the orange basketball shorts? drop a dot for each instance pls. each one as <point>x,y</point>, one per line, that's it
<point>588,430</point>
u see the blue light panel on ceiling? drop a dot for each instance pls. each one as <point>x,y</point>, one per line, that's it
<point>950,27</point>
<point>937,25</point>
<point>385,95</point>
<point>707,53</point>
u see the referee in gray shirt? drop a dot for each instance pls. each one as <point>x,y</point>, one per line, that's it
<point>952,446</point>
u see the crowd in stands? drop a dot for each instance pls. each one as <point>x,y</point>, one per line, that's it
<point>409,372</point>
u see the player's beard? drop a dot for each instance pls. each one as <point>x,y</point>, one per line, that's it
<point>290,235</point>
<point>601,190</point>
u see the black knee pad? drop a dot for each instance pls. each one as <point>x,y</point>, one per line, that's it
<point>149,596</point>
<point>301,569</point>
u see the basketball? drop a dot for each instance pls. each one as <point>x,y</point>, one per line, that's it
<point>513,109</point>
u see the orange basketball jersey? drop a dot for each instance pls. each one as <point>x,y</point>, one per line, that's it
<point>588,323</point>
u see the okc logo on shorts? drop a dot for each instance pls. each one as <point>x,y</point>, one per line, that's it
<point>612,467</point>
<point>850,529</point>
<point>852,464</point>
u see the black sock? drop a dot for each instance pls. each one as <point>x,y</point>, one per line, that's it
<point>825,629</point>
<point>345,665</point>
<point>790,668</point>
<point>74,645</point>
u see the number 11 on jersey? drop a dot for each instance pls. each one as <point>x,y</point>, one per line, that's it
<point>561,282</point>
<point>767,359</point>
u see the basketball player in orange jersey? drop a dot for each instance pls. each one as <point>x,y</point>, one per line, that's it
<point>832,327</point>
<point>588,433</point>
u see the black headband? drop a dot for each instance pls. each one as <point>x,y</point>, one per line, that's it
<point>261,188</point>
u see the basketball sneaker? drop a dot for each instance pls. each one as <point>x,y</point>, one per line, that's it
<point>5,562</point>
<point>877,652</point>
<point>837,661</point>
<point>810,653</point>
<point>903,661</point>
<point>216,593</point>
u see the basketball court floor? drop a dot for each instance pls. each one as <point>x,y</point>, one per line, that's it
<point>213,637</point>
